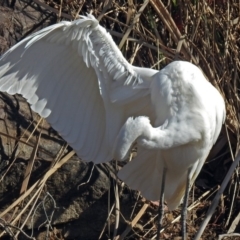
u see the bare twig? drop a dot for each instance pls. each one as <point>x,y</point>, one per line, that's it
<point>217,197</point>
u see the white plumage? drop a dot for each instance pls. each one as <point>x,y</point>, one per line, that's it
<point>73,74</point>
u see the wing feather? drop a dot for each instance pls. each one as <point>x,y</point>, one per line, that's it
<point>73,74</point>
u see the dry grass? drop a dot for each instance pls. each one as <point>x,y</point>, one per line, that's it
<point>152,34</point>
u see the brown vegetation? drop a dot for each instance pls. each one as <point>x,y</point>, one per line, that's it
<point>150,33</point>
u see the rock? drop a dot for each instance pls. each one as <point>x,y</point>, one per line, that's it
<point>81,209</point>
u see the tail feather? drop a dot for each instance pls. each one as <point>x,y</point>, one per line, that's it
<point>144,173</point>
<point>175,189</point>
<point>141,174</point>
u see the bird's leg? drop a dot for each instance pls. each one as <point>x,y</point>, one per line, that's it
<point>161,204</point>
<point>184,208</point>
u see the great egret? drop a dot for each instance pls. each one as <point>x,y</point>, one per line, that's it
<point>73,74</point>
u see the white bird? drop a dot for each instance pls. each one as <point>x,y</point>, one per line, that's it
<point>73,74</point>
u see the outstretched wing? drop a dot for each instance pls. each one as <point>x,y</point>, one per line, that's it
<point>73,74</point>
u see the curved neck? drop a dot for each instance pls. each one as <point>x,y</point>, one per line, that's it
<point>130,132</point>
<point>141,130</point>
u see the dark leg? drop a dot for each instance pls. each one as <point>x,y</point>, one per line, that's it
<point>161,204</point>
<point>184,208</point>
